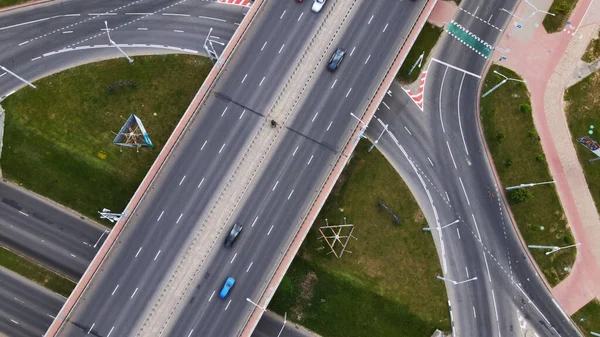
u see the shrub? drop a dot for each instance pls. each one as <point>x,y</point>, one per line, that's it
<point>508,163</point>
<point>499,137</point>
<point>518,196</point>
<point>540,158</point>
<point>532,134</point>
<point>525,108</point>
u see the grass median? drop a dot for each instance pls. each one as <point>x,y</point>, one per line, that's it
<point>518,156</point>
<point>424,43</point>
<point>58,137</point>
<point>583,116</point>
<point>7,3</point>
<point>562,10</point>
<point>35,272</point>
<point>387,285</point>
<point>587,318</point>
<point>592,52</point>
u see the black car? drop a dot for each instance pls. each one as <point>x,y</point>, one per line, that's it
<point>336,59</point>
<point>233,234</point>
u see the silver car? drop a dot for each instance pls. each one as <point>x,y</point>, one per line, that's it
<point>318,5</point>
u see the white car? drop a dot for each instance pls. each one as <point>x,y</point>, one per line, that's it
<point>318,5</point>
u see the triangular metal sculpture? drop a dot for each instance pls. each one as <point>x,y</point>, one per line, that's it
<point>338,234</point>
<point>133,134</point>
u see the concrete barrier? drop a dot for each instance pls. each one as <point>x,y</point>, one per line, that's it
<point>334,174</point>
<point>150,177</point>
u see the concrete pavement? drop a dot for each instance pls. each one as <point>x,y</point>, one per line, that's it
<point>547,62</point>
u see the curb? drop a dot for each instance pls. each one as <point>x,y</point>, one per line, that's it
<point>335,172</point>
<point>153,172</point>
<point>23,5</point>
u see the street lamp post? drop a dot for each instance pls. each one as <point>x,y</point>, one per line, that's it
<point>501,83</point>
<point>283,326</point>
<point>553,248</point>
<point>439,228</point>
<point>377,140</point>
<point>523,21</point>
<point>456,282</point>
<point>529,185</point>
<point>210,48</point>
<point>114,44</point>
<point>100,238</point>
<point>18,77</point>
<point>256,305</point>
<point>362,128</point>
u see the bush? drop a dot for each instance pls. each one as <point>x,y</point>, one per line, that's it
<point>499,137</point>
<point>532,134</point>
<point>540,158</point>
<point>519,196</point>
<point>525,108</point>
<point>508,163</point>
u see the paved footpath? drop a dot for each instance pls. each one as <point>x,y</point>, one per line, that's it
<point>548,63</point>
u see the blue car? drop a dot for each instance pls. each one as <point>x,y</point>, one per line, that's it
<point>336,59</point>
<point>227,287</point>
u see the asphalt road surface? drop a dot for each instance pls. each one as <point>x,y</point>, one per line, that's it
<point>47,233</point>
<point>282,193</point>
<point>440,154</point>
<point>43,39</point>
<point>26,309</point>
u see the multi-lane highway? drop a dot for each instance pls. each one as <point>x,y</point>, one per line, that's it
<point>39,40</point>
<point>26,309</point>
<point>47,233</point>
<point>440,154</point>
<point>204,161</point>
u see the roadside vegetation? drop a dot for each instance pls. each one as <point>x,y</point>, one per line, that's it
<point>583,115</point>
<point>562,10</point>
<point>424,43</point>
<point>589,313</point>
<point>35,273</point>
<point>387,285</point>
<point>6,3</point>
<point>592,52</point>
<point>58,137</point>
<point>518,156</point>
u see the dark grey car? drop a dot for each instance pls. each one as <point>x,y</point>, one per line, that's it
<point>236,229</point>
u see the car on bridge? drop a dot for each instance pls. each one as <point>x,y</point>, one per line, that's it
<point>336,59</point>
<point>318,5</point>
<point>235,231</point>
<point>229,283</point>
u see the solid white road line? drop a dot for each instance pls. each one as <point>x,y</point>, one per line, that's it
<point>67,32</point>
<point>275,186</point>
<point>99,14</point>
<point>440,101</point>
<point>289,196</point>
<point>282,14</point>
<point>293,154</point>
<point>334,82</point>
<point>464,191</point>
<point>315,116</point>
<point>467,271</point>
<point>135,291</point>
<point>230,262</point>
<point>138,252</point>
<point>261,81</point>
<point>430,162</point>
<point>458,109</point>
<point>242,115</point>
<point>25,214</point>
<point>111,330</point>
<point>210,18</point>
<point>476,227</point>
<point>263,47</point>
<point>368,23</point>
<point>89,329</point>
<point>142,28</point>
<point>495,308</point>
<point>180,215</point>
<point>73,255</point>
<point>458,232</point>
<point>222,146</point>
<point>455,68</point>
<point>311,157</point>
<point>270,229</point>
<point>352,52</point>
<point>224,111</point>
<point>474,313</point>
<point>203,145</point>
<point>228,303</point>
<point>247,270</point>
<point>451,155</point>
<point>117,287</point>
<point>211,295</point>
<point>182,179</point>
<point>243,79</point>
<point>190,333</point>
<point>201,181</point>
<point>178,31</point>
<point>384,28</point>
<point>329,126</point>
<point>487,267</point>
<point>280,49</point>
<point>368,57</point>
<point>157,254</point>
<point>174,14</point>
<point>253,222</point>
<point>138,13</point>
<point>300,17</point>
<point>387,106</point>
<point>22,43</point>
<point>405,128</point>
<point>348,92</point>
<point>12,320</point>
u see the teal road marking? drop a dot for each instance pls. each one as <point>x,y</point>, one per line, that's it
<point>469,39</point>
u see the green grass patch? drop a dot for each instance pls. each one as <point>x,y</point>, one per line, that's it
<point>590,314</point>
<point>562,10</point>
<point>387,286</point>
<point>425,42</point>
<point>592,52</point>
<point>519,158</point>
<point>583,111</point>
<point>6,3</point>
<point>35,273</point>
<point>58,137</point>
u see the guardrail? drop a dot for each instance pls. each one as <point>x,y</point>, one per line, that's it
<point>285,261</point>
<point>154,171</point>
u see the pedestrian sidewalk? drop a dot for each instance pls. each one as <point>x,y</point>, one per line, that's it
<point>548,63</point>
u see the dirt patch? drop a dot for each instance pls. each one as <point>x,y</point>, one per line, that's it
<point>305,295</point>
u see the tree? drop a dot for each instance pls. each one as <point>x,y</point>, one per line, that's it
<point>519,195</point>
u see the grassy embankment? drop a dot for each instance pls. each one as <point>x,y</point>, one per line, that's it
<point>425,42</point>
<point>58,137</point>
<point>562,10</point>
<point>387,286</point>
<point>519,158</point>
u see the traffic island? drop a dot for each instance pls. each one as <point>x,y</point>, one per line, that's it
<point>371,290</point>
<point>519,159</point>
